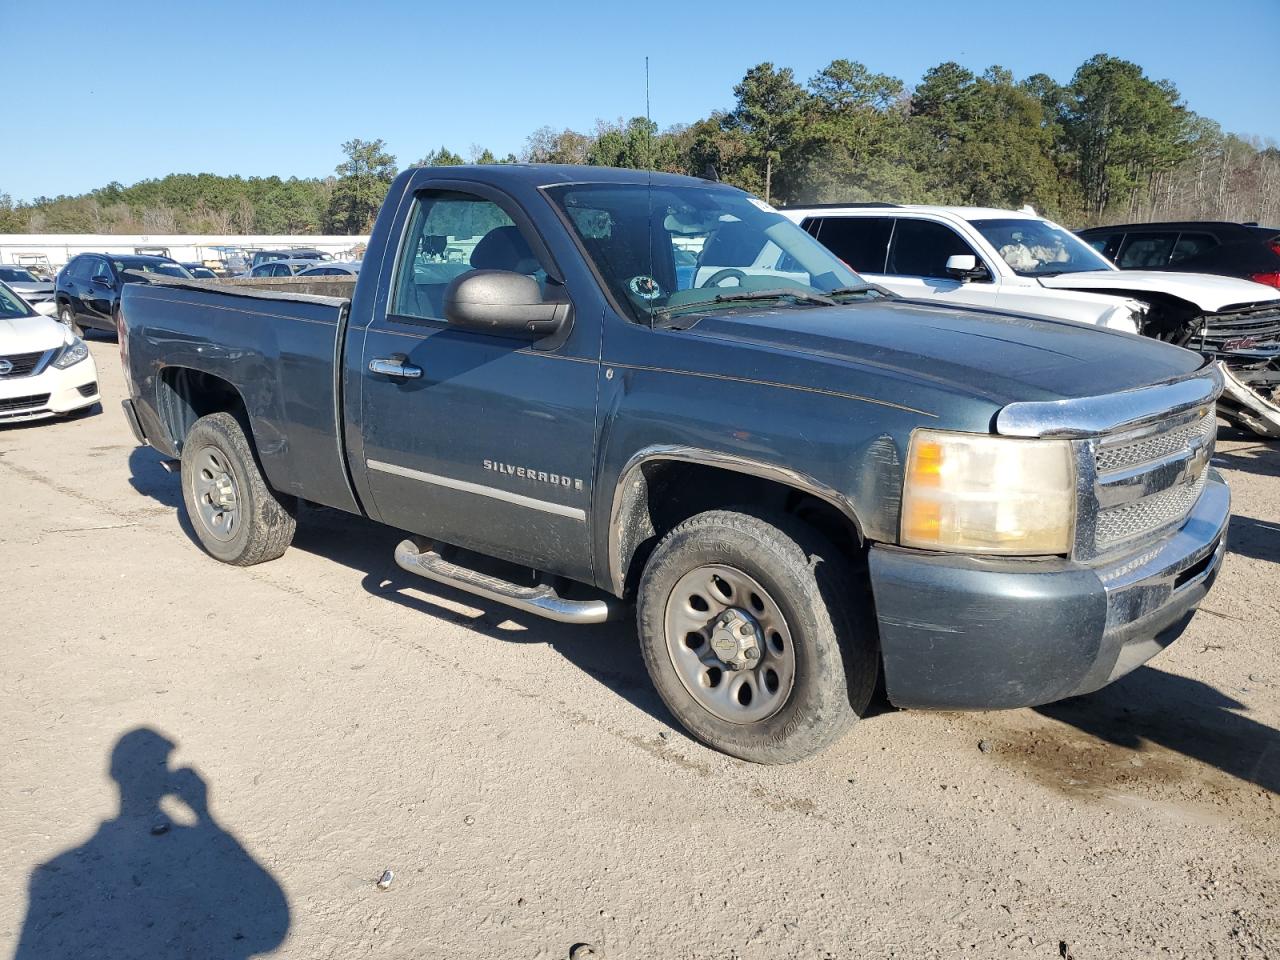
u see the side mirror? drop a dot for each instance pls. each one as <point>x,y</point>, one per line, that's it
<point>502,302</point>
<point>102,282</point>
<point>965,266</point>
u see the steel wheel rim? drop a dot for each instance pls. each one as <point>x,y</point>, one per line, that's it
<point>215,493</point>
<point>698,603</point>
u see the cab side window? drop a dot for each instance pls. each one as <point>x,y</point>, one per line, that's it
<point>861,242</point>
<point>1145,250</point>
<point>101,271</point>
<point>1107,244</point>
<point>921,247</point>
<point>450,234</point>
<point>1192,245</point>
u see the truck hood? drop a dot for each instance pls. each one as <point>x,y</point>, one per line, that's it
<point>1002,356</point>
<point>30,335</point>
<point>1206,291</point>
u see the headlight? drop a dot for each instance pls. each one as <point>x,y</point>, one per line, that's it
<point>71,353</point>
<point>983,494</point>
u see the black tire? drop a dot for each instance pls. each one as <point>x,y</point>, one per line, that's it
<point>827,612</point>
<point>265,521</point>
<point>67,315</point>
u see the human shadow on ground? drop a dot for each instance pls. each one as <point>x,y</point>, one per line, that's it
<point>1254,538</point>
<point>149,887</point>
<point>1180,714</point>
<point>607,652</point>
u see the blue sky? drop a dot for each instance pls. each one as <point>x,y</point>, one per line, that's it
<point>263,88</point>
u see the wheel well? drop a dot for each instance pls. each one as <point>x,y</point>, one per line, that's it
<point>186,395</point>
<point>661,494</point>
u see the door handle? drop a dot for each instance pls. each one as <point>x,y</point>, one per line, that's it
<point>390,367</point>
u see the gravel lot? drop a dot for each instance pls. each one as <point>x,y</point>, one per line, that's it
<point>527,789</point>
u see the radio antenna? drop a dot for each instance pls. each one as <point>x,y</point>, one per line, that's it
<point>648,162</point>
<point>648,127</point>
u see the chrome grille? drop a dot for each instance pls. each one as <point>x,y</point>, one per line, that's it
<point>20,364</point>
<point>1148,481</point>
<point>1225,331</point>
<point>1151,513</point>
<point>1121,456</point>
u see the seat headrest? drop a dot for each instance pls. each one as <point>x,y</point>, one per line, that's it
<point>504,248</point>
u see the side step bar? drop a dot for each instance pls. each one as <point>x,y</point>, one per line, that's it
<point>542,599</point>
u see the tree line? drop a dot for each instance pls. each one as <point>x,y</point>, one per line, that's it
<point>1111,144</point>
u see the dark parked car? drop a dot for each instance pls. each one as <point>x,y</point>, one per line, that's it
<point>200,271</point>
<point>1243,250</point>
<point>88,287</point>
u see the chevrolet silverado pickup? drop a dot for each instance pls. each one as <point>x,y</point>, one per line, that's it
<point>581,390</point>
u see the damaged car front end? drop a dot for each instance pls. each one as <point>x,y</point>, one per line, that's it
<point>1192,311</point>
<point>1244,340</point>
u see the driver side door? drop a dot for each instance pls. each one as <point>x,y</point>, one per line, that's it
<point>99,296</point>
<point>479,440</point>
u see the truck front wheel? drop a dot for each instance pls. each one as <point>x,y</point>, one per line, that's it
<point>754,636</point>
<point>237,517</point>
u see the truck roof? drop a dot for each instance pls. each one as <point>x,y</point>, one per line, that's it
<point>548,174</point>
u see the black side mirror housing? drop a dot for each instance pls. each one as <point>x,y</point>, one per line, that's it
<point>503,303</point>
<point>965,266</point>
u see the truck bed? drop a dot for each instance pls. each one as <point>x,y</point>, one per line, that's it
<point>280,351</point>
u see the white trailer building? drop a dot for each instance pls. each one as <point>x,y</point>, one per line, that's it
<point>52,250</point>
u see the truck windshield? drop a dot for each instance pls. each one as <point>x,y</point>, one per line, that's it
<point>1037,248</point>
<point>663,250</point>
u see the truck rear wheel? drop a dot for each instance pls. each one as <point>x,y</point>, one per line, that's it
<point>238,518</point>
<point>753,636</point>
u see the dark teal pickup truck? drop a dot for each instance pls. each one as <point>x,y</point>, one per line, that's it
<point>580,389</point>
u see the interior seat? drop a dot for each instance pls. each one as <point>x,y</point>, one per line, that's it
<point>504,248</point>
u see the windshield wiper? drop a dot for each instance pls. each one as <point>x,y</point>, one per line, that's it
<point>860,288</point>
<point>781,293</point>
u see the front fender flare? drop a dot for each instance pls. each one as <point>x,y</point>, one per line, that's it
<point>625,492</point>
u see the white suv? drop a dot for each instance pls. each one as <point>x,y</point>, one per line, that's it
<point>45,370</point>
<point>1018,261</point>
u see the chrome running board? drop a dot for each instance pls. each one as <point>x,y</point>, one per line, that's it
<point>541,599</point>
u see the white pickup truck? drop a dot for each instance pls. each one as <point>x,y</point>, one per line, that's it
<point>1016,260</point>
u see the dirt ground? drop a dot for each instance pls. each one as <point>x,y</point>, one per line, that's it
<point>284,734</point>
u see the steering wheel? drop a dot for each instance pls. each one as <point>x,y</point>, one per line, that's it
<point>728,273</point>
